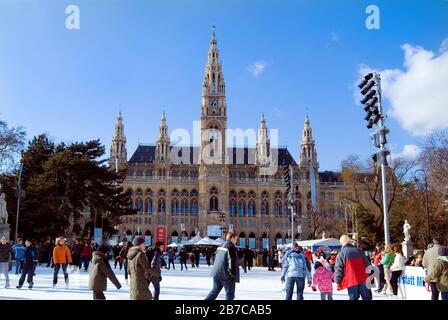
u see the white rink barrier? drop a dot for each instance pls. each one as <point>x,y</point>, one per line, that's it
<point>412,284</point>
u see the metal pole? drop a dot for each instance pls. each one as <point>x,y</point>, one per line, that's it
<point>19,196</point>
<point>291,205</point>
<point>383,167</point>
<point>346,219</point>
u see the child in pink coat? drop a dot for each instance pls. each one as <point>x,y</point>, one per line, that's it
<point>323,279</point>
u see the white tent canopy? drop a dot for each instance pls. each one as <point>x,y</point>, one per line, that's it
<point>219,241</point>
<point>314,244</point>
<point>192,241</point>
<point>206,242</point>
<point>173,245</point>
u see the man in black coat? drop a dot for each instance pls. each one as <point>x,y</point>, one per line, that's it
<point>225,271</point>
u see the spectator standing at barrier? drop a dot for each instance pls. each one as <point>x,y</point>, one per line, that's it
<point>439,273</point>
<point>397,269</point>
<point>429,259</point>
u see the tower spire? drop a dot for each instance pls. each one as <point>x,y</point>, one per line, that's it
<point>308,152</point>
<point>118,152</point>
<point>263,143</point>
<point>163,141</point>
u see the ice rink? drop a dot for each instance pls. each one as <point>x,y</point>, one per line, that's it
<point>193,284</point>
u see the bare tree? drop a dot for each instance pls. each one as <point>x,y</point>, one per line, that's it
<point>12,141</point>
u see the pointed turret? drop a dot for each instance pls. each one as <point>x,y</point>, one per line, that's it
<point>118,152</point>
<point>263,143</point>
<point>163,141</point>
<point>308,152</point>
<point>213,78</point>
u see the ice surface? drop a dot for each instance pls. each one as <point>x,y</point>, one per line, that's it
<point>193,284</point>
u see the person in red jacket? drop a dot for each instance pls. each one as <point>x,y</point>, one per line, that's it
<point>86,255</point>
<point>350,271</point>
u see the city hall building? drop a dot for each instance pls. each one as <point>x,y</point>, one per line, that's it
<point>180,192</point>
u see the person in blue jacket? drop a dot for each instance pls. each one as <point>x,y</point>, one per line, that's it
<point>295,269</point>
<point>30,259</point>
<point>19,250</point>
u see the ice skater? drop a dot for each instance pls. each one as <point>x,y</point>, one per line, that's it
<point>29,262</point>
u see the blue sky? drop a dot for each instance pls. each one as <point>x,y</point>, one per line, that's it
<point>148,56</point>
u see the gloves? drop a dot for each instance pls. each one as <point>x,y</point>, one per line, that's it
<point>313,288</point>
<point>282,279</point>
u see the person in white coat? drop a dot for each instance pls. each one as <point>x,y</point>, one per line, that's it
<point>397,269</point>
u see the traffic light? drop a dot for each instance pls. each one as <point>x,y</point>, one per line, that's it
<point>287,178</point>
<point>381,156</point>
<point>23,177</point>
<point>368,88</point>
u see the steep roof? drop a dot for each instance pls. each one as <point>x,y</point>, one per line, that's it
<point>190,155</point>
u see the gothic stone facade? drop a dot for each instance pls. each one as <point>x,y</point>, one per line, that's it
<point>233,191</point>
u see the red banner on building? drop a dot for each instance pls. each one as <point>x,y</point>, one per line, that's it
<point>161,234</point>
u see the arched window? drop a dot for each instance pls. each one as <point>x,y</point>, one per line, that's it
<point>214,199</point>
<point>161,207</point>
<point>194,206</point>
<point>265,207</point>
<point>251,208</point>
<point>241,208</point>
<point>139,205</point>
<point>277,208</point>
<point>286,210</point>
<point>184,206</point>
<point>148,205</point>
<point>175,206</point>
<point>213,203</point>
<point>232,207</point>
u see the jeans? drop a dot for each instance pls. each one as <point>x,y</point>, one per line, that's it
<point>98,295</point>
<point>30,273</point>
<point>299,282</point>
<point>182,263</point>
<point>57,266</point>
<point>19,265</point>
<point>359,290</point>
<point>326,296</point>
<point>444,295</point>
<point>382,280</point>
<point>4,270</point>
<point>434,291</point>
<point>171,262</point>
<point>85,261</point>
<point>394,281</point>
<point>229,287</point>
<point>156,284</point>
<point>125,265</point>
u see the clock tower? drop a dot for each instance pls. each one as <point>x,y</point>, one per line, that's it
<point>213,167</point>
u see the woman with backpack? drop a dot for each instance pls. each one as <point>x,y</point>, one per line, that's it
<point>99,271</point>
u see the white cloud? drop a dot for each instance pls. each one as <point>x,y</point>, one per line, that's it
<point>334,36</point>
<point>418,96</point>
<point>410,151</point>
<point>257,68</point>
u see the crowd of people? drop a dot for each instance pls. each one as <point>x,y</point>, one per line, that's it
<point>347,268</point>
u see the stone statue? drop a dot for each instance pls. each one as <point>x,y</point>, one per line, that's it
<point>3,211</point>
<point>406,231</point>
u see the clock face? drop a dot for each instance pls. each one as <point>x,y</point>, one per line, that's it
<point>214,104</point>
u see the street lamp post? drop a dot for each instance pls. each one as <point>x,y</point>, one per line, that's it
<point>268,226</point>
<point>426,202</point>
<point>222,220</point>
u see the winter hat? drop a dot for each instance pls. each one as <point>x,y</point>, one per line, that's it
<point>138,241</point>
<point>102,248</point>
